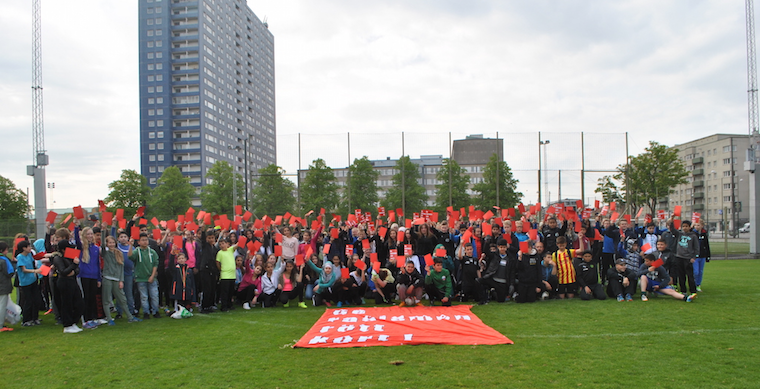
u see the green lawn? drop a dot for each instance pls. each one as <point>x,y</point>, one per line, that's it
<point>713,342</point>
<point>718,248</point>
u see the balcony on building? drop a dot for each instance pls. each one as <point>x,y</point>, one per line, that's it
<point>699,183</point>
<point>698,160</point>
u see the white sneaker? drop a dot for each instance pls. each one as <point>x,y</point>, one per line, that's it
<point>71,329</point>
<point>246,306</point>
<point>101,321</point>
<point>544,295</point>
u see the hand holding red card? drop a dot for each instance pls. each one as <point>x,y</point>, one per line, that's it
<point>646,247</point>
<point>344,273</point>
<point>440,252</point>
<point>299,259</point>
<point>361,264</point>
<point>525,247</point>
<point>278,251</point>
<point>658,263</point>
<point>78,212</point>
<point>429,260</point>
<point>71,253</point>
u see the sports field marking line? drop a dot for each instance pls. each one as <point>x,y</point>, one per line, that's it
<point>699,331</point>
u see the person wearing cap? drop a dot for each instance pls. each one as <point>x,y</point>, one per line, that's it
<point>622,281</point>
<point>500,270</point>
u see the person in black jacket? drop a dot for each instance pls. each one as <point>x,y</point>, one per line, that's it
<point>500,270</point>
<point>72,304</point>
<point>704,254</point>
<point>587,276</point>
<point>622,281</point>
<point>209,273</point>
<point>529,272</point>
<point>409,284</point>
<point>470,274</point>
<point>551,232</point>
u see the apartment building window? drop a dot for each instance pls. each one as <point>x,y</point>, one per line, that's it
<point>160,123</point>
<point>160,134</point>
<point>151,158</point>
<point>151,146</point>
<point>160,157</point>
<point>726,199</point>
<point>151,123</point>
<point>151,135</point>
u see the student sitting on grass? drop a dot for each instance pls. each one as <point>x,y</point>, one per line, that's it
<point>655,279</point>
<point>563,259</point>
<point>622,281</point>
<point>383,286</point>
<point>326,277</point>
<point>409,284</point>
<point>270,282</point>
<point>438,283</point>
<point>588,278</point>
<point>664,253</point>
<point>291,285</point>
<point>549,279</point>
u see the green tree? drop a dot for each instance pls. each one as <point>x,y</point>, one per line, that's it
<point>496,171</point>
<point>129,192</point>
<point>609,190</point>
<point>650,175</point>
<point>13,203</point>
<point>414,197</point>
<point>452,173</point>
<point>217,195</point>
<point>172,194</point>
<point>273,194</point>
<point>318,189</point>
<point>361,187</point>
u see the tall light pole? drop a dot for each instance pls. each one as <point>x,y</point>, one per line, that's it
<point>40,158</point>
<point>546,176</point>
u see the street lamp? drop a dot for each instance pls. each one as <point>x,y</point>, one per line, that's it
<point>546,166</point>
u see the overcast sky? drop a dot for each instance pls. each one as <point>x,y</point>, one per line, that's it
<point>669,71</point>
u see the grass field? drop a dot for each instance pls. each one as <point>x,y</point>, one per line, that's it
<point>718,248</point>
<point>713,342</point>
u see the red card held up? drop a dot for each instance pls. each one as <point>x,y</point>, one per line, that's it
<point>400,261</point>
<point>326,249</point>
<point>533,235</point>
<point>360,264</point>
<point>408,223</point>
<point>578,226</point>
<point>349,250</point>
<point>597,235</point>
<point>373,257</point>
<point>429,260</point>
<point>71,253</point>
<point>247,215</point>
<point>579,204</point>
<point>658,263</point>
<point>278,238</point>
<point>78,212</point>
<point>677,223</point>
<point>376,267</point>
<point>238,210</point>
<point>135,233</point>
<point>334,233</point>
<point>141,211</point>
<point>256,246</point>
<point>677,210</point>
<point>278,251</point>
<point>101,206</point>
<point>407,249</point>
<point>382,231</point>
<point>344,273</point>
<point>107,218</point>
<point>45,270</point>
<point>309,252</point>
<point>177,241</point>
<point>299,259</point>
<point>251,247</point>
<point>525,247</point>
<point>123,224</point>
<point>440,252</point>
<point>242,240</point>
<point>156,234</point>
<point>646,247</point>
<point>486,228</point>
<point>613,206</point>
<point>365,244</point>
<point>171,225</point>
<point>51,217</point>
<point>258,233</point>
<point>207,219</point>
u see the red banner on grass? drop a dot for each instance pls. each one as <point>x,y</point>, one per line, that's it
<point>394,326</point>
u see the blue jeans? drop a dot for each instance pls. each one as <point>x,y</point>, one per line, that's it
<point>699,270</point>
<point>308,291</point>
<point>128,290</point>
<point>152,288</point>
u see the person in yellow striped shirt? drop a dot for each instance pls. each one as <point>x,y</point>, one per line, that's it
<point>563,258</point>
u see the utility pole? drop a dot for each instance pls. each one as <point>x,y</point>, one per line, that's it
<point>752,114</point>
<point>40,158</point>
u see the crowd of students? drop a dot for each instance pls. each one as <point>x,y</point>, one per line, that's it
<point>114,275</point>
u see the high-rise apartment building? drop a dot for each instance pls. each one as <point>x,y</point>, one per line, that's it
<point>206,88</point>
<point>717,186</point>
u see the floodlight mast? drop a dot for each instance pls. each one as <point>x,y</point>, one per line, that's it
<point>40,158</point>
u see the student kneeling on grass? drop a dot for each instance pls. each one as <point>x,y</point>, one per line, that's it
<point>655,279</point>
<point>438,283</point>
<point>622,281</point>
<point>409,283</point>
<point>588,278</point>
<point>326,277</point>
